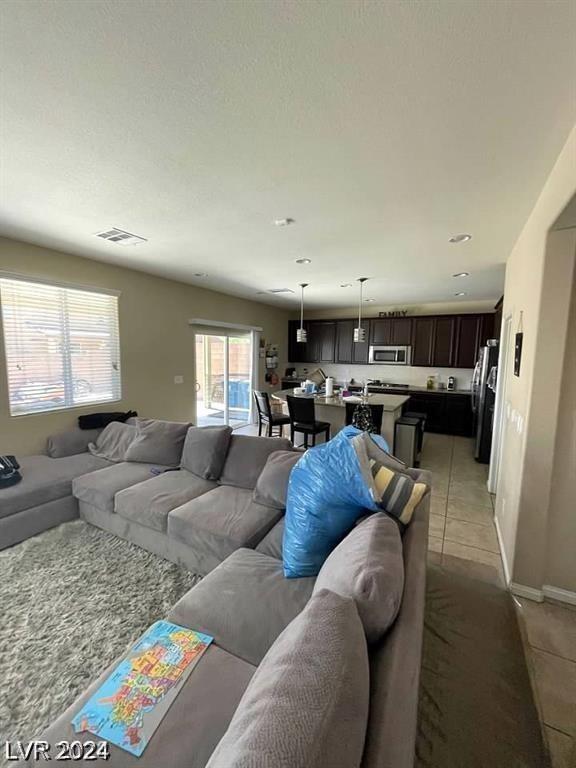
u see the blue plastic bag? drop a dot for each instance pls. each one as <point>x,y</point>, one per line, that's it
<point>327,493</point>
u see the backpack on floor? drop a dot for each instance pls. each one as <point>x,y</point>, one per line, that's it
<point>9,474</point>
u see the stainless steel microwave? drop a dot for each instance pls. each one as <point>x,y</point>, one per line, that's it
<point>389,355</point>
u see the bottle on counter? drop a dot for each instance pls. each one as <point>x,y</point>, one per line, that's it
<point>329,385</point>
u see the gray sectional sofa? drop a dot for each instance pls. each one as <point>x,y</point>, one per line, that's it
<point>195,516</point>
<point>348,677</point>
<point>44,497</point>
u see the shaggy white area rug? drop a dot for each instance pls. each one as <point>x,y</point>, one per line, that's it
<point>72,599</point>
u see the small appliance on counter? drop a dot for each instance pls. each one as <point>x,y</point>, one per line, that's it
<point>451,383</point>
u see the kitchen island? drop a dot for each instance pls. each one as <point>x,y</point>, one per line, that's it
<point>333,410</point>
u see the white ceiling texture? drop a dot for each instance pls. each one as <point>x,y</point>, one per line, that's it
<point>381,128</point>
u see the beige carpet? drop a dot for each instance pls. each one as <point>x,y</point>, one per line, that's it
<point>72,599</point>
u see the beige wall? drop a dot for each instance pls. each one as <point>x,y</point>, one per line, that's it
<point>156,341</point>
<point>537,294</point>
<point>561,556</point>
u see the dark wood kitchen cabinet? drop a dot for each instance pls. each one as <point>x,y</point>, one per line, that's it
<point>439,341</point>
<point>448,414</point>
<point>444,338</point>
<point>433,405</point>
<point>323,334</point>
<point>422,341</point>
<point>467,341</point>
<point>320,344</point>
<point>391,330</point>
<point>347,351</point>
<point>459,419</point>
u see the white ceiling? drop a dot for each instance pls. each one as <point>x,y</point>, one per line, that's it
<point>381,127</point>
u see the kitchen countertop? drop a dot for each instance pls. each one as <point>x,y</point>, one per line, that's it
<point>415,389</point>
<point>390,402</point>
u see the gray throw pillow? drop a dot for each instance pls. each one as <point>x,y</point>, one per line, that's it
<point>368,566</point>
<point>272,486</point>
<point>113,442</point>
<point>246,458</point>
<point>307,704</point>
<point>205,451</point>
<point>158,442</point>
<point>70,442</point>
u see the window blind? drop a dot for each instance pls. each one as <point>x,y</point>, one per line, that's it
<point>61,344</point>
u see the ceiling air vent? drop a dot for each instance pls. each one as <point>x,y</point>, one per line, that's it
<point>280,290</point>
<point>121,237</point>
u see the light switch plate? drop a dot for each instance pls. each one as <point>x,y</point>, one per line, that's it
<point>178,379</point>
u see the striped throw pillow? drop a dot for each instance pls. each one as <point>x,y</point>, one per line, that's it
<point>397,493</point>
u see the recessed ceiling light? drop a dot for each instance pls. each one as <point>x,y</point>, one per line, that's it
<point>345,285</point>
<point>461,274</point>
<point>200,274</point>
<point>368,300</point>
<point>462,238</point>
<point>303,261</point>
<point>284,222</point>
<point>460,293</point>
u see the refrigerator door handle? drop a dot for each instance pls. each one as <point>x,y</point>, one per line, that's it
<point>475,383</point>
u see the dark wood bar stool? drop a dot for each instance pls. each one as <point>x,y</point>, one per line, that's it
<point>303,419</point>
<point>266,417</point>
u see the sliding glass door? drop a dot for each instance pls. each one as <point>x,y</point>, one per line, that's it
<point>223,379</point>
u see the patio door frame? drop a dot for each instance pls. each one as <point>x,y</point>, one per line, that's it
<point>226,330</point>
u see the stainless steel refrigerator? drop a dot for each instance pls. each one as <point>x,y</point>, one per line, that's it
<point>483,398</point>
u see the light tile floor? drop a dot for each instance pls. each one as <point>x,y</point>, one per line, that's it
<point>463,537</point>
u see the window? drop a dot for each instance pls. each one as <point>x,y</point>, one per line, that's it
<point>61,344</point>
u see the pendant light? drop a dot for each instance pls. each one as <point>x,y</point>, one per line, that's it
<point>301,333</point>
<point>360,333</point>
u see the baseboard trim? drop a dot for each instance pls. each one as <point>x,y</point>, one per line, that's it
<point>530,593</point>
<point>561,595</point>
<point>502,552</point>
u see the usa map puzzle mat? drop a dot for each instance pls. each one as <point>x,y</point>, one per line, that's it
<point>130,704</point>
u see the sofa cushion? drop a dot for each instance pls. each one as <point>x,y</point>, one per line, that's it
<point>205,451</point>
<point>113,442</point>
<point>45,479</point>
<point>149,502</point>
<point>99,488</point>
<point>247,456</point>
<point>368,566</point>
<point>70,442</point>
<point>272,484</point>
<point>244,603</point>
<point>158,441</point>
<point>192,726</point>
<point>307,704</point>
<point>221,521</point>
<point>271,544</point>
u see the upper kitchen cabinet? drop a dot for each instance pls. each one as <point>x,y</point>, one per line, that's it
<point>347,351</point>
<point>468,330</point>
<point>487,328</point>
<point>440,341</point>
<point>320,343</point>
<point>422,340</point>
<point>323,334</point>
<point>396,331</point>
<point>444,339</point>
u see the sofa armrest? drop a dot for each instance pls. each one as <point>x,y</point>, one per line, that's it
<point>70,442</point>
